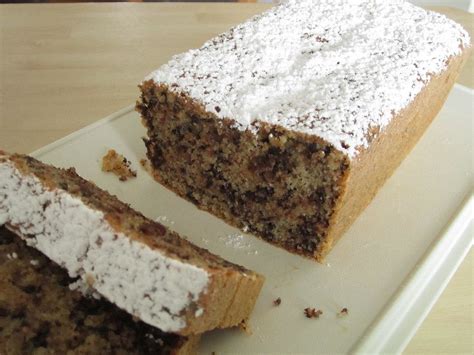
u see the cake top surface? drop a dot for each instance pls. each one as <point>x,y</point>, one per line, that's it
<point>335,69</point>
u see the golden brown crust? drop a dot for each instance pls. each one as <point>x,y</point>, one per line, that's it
<point>377,163</point>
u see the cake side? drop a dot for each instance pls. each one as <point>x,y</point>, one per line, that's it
<point>133,262</point>
<point>280,185</point>
<point>39,313</point>
<point>387,150</point>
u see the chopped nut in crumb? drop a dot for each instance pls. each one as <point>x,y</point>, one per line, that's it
<point>117,164</point>
<point>277,302</point>
<point>312,312</point>
<point>12,256</point>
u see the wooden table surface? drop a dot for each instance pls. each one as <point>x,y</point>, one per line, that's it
<point>64,66</point>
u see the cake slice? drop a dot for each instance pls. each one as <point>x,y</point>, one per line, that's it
<point>133,262</point>
<point>288,124</point>
<point>40,314</point>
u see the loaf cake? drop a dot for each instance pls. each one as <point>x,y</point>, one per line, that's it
<point>40,314</point>
<point>288,124</point>
<point>133,262</point>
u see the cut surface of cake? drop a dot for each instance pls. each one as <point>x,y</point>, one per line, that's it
<point>289,123</point>
<point>133,262</point>
<point>40,314</point>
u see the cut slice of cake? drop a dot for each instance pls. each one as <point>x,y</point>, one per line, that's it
<point>133,262</point>
<point>40,314</point>
<point>289,123</point>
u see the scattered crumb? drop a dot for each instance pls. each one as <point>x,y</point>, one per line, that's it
<point>34,262</point>
<point>312,312</point>
<point>145,163</point>
<point>277,302</point>
<point>244,325</point>
<point>117,164</point>
<point>343,312</point>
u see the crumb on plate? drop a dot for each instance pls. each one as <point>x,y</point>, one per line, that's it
<point>244,325</point>
<point>312,312</point>
<point>117,164</point>
<point>343,312</point>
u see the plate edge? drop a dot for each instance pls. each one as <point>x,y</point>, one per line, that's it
<point>47,148</point>
<point>381,334</point>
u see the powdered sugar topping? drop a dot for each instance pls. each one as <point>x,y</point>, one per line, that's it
<point>335,69</point>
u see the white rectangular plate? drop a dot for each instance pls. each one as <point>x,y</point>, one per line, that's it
<point>387,270</point>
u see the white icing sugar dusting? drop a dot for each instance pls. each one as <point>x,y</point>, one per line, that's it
<point>334,69</point>
<point>238,241</point>
<point>164,220</point>
<point>141,280</point>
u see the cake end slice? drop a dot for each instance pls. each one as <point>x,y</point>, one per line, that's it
<point>132,261</point>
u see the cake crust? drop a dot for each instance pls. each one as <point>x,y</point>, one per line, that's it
<point>375,165</point>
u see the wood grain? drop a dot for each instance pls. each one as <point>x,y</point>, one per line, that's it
<point>64,66</point>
